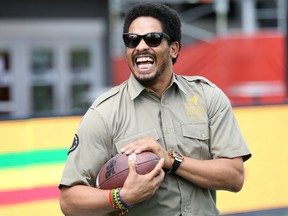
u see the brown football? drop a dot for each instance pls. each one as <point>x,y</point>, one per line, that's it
<point>115,171</point>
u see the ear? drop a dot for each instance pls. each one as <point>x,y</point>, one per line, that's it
<point>174,49</point>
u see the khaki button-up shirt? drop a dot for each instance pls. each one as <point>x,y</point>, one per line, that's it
<point>193,117</point>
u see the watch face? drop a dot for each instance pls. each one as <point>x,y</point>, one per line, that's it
<point>177,155</point>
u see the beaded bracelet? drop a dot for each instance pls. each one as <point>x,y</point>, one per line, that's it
<point>121,200</point>
<point>111,199</point>
<point>117,202</point>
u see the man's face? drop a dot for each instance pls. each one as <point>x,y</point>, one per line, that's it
<point>149,64</point>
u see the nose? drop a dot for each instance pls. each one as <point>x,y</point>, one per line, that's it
<point>142,45</point>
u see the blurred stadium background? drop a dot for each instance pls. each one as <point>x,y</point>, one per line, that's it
<point>56,57</point>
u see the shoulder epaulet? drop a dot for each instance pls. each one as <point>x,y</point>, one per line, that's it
<point>113,91</point>
<point>199,78</point>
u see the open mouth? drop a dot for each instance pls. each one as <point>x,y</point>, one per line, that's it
<point>144,62</point>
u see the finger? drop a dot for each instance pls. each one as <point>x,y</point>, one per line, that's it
<point>132,163</point>
<point>158,168</point>
<point>144,144</point>
<point>129,148</point>
<point>139,149</point>
<point>136,146</point>
<point>159,178</point>
<point>125,148</point>
<point>122,150</point>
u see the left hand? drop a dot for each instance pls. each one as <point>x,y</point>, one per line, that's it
<point>148,144</point>
<point>138,188</point>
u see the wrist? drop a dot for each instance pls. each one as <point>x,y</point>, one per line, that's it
<point>125,198</point>
<point>124,203</point>
<point>168,161</point>
<point>175,161</point>
<point>117,201</point>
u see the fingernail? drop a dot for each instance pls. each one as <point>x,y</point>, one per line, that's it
<point>132,157</point>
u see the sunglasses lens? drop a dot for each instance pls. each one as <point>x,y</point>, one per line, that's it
<point>153,39</point>
<point>131,40</point>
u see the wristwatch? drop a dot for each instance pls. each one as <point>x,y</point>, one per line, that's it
<point>178,158</point>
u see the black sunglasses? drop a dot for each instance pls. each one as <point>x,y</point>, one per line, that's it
<point>152,39</point>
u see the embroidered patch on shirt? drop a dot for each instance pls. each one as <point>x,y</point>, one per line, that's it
<point>193,109</point>
<point>74,144</point>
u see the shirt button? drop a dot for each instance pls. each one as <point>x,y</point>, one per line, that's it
<point>203,135</point>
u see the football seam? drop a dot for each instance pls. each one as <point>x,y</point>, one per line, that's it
<point>125,170</point>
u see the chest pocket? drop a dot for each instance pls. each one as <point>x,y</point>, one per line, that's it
<point>195,137</point>
<point>120,143</point>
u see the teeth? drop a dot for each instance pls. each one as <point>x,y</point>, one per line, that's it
<point>144,59</point>
<point>145,66</point>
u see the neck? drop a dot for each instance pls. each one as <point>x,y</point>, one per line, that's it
<point>159,85</point>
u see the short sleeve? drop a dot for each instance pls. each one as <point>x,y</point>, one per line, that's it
<point>93,149</point>
<point>226,139</point>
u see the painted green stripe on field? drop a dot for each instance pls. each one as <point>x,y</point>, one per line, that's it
<point>33,158</point>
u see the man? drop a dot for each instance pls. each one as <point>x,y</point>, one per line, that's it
<point>187,121</point>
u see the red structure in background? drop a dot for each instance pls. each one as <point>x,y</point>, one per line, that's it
<point>249,69</point>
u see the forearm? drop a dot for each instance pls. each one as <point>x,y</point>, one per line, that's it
<point>84,201</point>
<point>219,174</point>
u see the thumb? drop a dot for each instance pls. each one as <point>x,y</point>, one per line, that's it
<point>132,162</point>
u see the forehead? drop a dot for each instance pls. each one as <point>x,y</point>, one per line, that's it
<point>143,25</point>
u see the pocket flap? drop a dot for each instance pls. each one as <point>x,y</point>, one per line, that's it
<point>124,141</point>
<point>196,130</point>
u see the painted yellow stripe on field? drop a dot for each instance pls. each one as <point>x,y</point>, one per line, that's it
<point>30,176</point>
<point>37,134</point>
<point>43,208</point>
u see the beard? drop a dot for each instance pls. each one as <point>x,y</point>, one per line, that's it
<point>150,79</point>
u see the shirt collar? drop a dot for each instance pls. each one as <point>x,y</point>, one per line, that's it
<point>135,88</point>
<point>179,84</point>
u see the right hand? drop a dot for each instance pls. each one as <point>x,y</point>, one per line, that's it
<point>151,145</point>
<point>137,187</point>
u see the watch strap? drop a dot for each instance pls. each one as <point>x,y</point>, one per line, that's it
<point>175,165</point>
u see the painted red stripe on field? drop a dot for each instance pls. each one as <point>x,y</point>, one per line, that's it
<point>28,195</point>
